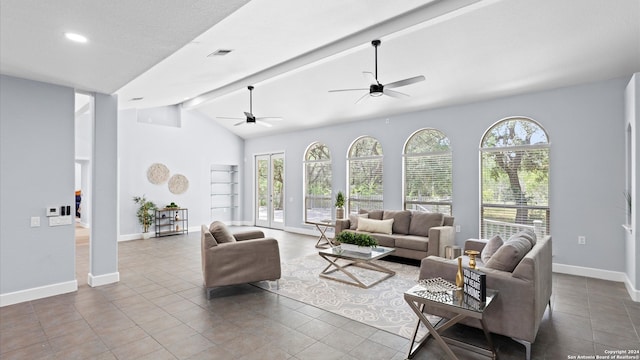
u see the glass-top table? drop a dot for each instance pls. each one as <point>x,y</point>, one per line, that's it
<point>454,301</point>
<point>358,259</point>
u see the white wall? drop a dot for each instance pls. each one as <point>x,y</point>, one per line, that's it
<point>187,149</point>
<point>584,124</point>
<point>632,114</point>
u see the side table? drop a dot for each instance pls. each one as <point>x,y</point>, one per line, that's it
<point>456,302</point>
<point>322,227</point>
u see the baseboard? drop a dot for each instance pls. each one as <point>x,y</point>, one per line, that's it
<point>129,237</point>
<point>599,274</point>
<point>99,280</point>
<point>38,293</point>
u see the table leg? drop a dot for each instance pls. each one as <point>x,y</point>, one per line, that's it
<point>432,331</point>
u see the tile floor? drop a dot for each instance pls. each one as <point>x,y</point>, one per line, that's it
<point>159,311</point>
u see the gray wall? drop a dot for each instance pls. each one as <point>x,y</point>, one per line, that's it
<point>37,171</point>
<point>585,126</point>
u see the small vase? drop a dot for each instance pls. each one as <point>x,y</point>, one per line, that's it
<point>459,280</point>
<point>339,213</point>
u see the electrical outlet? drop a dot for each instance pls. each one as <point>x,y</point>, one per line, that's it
<point>582,240</point>
<point>35,221</point>
<point>457,228</point>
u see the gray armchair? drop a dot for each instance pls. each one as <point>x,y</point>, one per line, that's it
<point>232,259</point>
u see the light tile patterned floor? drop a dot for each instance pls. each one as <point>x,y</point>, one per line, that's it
<point>159,311</point>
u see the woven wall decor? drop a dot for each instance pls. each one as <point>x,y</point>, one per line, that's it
<point>158,173</point>
<point>178,184</point>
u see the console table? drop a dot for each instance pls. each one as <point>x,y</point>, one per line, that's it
<point>322,227</point>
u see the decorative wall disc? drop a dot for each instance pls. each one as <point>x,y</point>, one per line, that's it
<point>158,173</point>
<point>178,184</point>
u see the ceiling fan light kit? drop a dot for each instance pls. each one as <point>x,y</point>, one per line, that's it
<point>376,88</point>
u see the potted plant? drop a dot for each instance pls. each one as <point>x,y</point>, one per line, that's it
<point>145,214</point>
<point>356,242</point>
<point>339,205</point>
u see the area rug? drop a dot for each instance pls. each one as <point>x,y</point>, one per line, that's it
<point>381,306</point>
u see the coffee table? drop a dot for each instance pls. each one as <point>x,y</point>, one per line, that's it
<point>453,301</point>
<point>362,260</point>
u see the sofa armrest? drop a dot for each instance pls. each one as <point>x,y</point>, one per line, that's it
<point>248,235</point>
<point>439,237</point>
<point>342,224</point>
<point>475,244</point>
<point>242,262</point>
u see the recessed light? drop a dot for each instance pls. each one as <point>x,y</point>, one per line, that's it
<point>75,37</point>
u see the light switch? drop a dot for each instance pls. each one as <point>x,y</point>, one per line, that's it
<point>35,221</point>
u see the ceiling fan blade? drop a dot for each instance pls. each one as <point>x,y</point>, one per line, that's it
<point>248,114</point>
<point>228,118</point>
<point>393,93</point>
<point>265,124</point>
<point>405,82</point>
<point>371,79</point>
<point>339,90</point>
<point>362,97</point>
<point>269,118</point>
<point>239,123</point>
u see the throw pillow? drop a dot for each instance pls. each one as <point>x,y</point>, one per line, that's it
<point>492,246</point>
<point>208,239</point>
<point>527,234</point>
<point>422,221</point>
<point>401,220</point>
<point>220,233</point>
<point>375,226</point>
<point>353,220</point>
<point>509,255</point>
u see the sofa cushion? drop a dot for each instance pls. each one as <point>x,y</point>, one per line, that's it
<point>492,246</point>
<point>412,242</point>
<point>375,214</point>
<point>422,221</point>
<point>385,239</point>
<point>401,220</point>
<point>221,233</point>
<point>508,256</point>
<point>353,220</point>
<point>375,226</point>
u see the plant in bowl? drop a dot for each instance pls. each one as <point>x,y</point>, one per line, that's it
<point>145,213</point>
<point>360,242</point>
<point>172,206</point>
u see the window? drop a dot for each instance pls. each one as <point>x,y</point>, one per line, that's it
<point>514,175</point>
<point>365,175</point>
<point>427,172</point>
<point>317,174</point>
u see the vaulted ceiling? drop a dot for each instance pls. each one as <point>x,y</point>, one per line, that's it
<point>294,52</point>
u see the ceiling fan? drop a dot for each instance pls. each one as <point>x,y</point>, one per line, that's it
<point>250,118</point>
<point>376,88</point>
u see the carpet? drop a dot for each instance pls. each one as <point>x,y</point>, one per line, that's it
<point>381,306</point>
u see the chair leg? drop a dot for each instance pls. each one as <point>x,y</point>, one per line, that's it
<point>277,284</point>
<point>208,291</point>
<point>527,347</point>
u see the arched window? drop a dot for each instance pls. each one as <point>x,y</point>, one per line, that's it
<point>317,183</point>
<point>427,172</point>
<point>514,176</point>
<point>365,175</point>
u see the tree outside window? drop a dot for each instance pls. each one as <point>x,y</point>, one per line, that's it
<point>317,172</point>
<point>515,178</point>
<point>365,175</point>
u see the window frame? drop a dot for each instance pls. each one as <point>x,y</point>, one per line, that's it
<point>350,201</point>
<point>306,197</point>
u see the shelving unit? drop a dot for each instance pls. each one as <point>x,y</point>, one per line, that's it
<point>224,193</point>
<point>172,221</point>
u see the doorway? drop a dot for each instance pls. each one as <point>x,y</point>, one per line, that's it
<point>269,206</point>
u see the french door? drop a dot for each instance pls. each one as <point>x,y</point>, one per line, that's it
<point>269,207</point>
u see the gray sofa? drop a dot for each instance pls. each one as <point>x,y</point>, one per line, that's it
<point>415,234</point>
<point>232,259</point>
<point>524,292</point>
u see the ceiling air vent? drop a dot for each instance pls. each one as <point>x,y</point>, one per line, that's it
<point>219,52</point>
<point>136,99</point>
